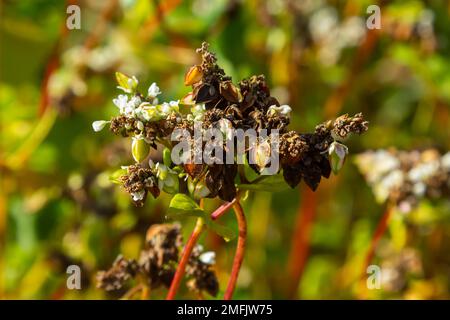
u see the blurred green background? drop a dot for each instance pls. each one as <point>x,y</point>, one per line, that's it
<point>57,206</point>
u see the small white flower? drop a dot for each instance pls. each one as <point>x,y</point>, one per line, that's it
<point>174,105</point>
<point>121,102</point>
<point>134,102</point>
<point>133,82</point>
<point>208,257</point>
<point>142,113</point>
<point>138,196</point>
<point>99,125</point>
<point>153,90</point>
<point>283,110</point>
<point>165,108</point>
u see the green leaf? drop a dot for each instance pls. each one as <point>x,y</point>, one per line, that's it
<point>273,183</point>
<point>115,176</point>
<point>226,233</point>
<point>182,205</point>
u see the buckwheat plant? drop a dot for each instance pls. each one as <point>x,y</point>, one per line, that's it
<point>220,140</point>
<point>401,180</point>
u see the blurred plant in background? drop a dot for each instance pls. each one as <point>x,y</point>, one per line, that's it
<point>58,207</point>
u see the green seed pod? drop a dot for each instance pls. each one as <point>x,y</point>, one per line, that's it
<point>139,149</point>
<point>337,153</point>
<point>167,157</point>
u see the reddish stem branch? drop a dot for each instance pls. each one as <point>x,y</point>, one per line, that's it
<point>240,250</point>
<point>301,239</point>
<point>381,229</point>
<point>199,227</point>
<point>179,273</point>
<point>223,209</point>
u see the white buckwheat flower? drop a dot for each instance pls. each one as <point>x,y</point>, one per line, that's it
<point>208,257</point>
<point>153,90</point>
<point>138,196</point>
<point>99,125</point>
<point>283,110</point>
<point>121,102</point>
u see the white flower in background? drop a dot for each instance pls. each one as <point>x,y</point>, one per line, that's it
<point>153,91</point>
<point>375,165</point>
<point>419,189</point>
<point>99,125</point>
<point>138,196</point>
<point>208,257</point>
<point>391,181</point>
<point>423,171</point>
<point>446,161</point>
<point>283,110</point>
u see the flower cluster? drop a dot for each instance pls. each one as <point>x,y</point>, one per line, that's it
<point>200,271</point>
<point>399,267</point>
<point>216,102</point>
<point>404,178</point>
<point>157,264</point>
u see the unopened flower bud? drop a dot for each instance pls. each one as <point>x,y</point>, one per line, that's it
<point>99,125</point>
<point>337,153</point>
<point>126,83</point>
<point>261,154</point>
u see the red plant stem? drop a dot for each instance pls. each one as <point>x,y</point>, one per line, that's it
<point>301,239</point>
<point>223,209</point>
<point>179,273</point>
<point>381,229</point>
<point>240,250</point>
